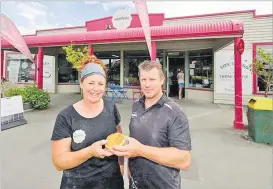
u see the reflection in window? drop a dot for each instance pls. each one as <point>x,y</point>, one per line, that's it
<point>66,74</point>
<point>132,59</point>
<point>20,70</point>
<point>261,79</point>
<point>201,69</point>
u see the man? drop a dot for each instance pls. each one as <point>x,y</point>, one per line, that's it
<point>159,143</point>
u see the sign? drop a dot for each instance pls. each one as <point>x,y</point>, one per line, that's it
<point>224,63</point>
<point>48,73</point>
<point>11,34</point>
<point>121,19</point>
<point>142,10</point>
<point>13,69</point>
<point>12,112</point>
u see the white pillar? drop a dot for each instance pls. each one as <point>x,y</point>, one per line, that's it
<point>186,72</point>
<point>186,69</point>
<point>121,68</point>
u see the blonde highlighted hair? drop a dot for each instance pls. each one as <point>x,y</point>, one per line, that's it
<point>149,65</point>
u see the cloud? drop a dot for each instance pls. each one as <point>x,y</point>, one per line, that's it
<point>108,5</point>
<point>187,8</point>
<point>36,17</point>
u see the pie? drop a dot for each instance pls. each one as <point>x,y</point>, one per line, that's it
<point>115,139</point>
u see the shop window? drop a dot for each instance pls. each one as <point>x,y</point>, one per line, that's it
<point>20,71</point>
<point>132,59</point>
<point>201,69</point>
<point>111,61</point>
<point>66,73</point>
<point>261,79</point>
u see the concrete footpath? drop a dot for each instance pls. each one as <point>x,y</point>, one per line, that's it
<point>222,157</point>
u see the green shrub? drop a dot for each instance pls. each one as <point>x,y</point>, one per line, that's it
<point>38,98</point>
<point>16,92</point>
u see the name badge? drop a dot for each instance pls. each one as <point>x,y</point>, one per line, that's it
<point>79,136</point>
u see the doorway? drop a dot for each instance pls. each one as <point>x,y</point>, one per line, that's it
<point>176,60</point>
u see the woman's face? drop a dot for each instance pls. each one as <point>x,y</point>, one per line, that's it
<point>93,87</point>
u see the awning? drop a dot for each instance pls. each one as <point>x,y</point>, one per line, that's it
<point>175,31</point>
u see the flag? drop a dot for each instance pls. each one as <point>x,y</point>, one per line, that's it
<point>142,11</point>
<point>10,33</point>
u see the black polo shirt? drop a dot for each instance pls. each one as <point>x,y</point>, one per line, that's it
<point>162,125</point>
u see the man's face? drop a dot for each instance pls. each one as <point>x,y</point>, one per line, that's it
<point>151,82</point>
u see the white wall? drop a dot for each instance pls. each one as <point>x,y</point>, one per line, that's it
<point>61,31</point>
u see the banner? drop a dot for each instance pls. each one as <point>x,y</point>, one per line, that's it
<point>10,33</point>
<point>142,11</point>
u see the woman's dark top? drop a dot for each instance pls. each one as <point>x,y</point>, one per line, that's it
<point>95,172</point>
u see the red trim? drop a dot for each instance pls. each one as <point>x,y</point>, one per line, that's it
<point>2,63</point>
<point>40,64</point>
<point>199,89</point>
<point>176,31</point>
<point>90,50</point>
<point>238,121</point>
<point>254,75</point>
<point>221,14</point>
<point>153,56</point>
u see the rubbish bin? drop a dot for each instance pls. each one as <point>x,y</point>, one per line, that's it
<point>260,119</point>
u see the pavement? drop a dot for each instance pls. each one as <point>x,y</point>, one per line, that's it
<point>222,156</point>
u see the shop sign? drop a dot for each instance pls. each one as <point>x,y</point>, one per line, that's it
<point>121,19</point>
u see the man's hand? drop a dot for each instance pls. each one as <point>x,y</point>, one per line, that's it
<point>132,149</point>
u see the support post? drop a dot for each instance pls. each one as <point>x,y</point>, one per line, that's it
<point>238,51</point>
<point>153,58</point>
<point>35,71</point>
<point>2,64</point>
<point>40,66</point>
<point>90,50</point>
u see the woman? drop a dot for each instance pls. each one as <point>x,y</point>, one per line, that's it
<point>180,78</point>
<point>80,131</point>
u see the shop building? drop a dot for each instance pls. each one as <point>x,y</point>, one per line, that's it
<point>201,45</point>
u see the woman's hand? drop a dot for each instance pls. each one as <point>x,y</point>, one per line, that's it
<point>98,151</point>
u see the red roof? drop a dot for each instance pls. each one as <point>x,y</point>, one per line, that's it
<point>174,31</point>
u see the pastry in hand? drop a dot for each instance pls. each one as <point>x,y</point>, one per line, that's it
<point>115,139</point>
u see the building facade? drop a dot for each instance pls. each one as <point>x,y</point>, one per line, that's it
<point>207,60</point>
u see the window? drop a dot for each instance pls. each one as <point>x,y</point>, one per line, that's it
<point>261,79</point>
<point>131,61</point>
<point>66,74</point>
<point>112,62</point>
<point>201,69</point>
<point>20,70</point>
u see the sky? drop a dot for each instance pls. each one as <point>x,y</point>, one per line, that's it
<point>30,16</point>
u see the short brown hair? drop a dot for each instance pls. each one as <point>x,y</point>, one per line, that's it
<point>148,65</point>
<point>92,59</point>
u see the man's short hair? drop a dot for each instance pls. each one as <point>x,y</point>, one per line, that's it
<point>148,65</point>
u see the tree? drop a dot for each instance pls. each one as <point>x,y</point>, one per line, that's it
<point>263,67</point>
<point>75,54</point>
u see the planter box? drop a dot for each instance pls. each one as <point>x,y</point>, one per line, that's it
<point>27,106</point>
